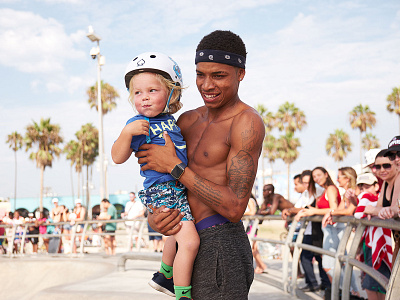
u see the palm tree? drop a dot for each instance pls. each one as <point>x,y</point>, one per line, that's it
<point>109,95</point>
<point>15,142</point>
<point>73,154</point>
<point>270,150</point>
<point>370,141</point>
<point>362,117</point>
<point>290,118</point>
<point>287,151</point>
<point>108,102</point>
<point>46,137</point>
<point>269,123</point>
<point>394,102</point>
<point>88,138</point>
<point>338,145</point>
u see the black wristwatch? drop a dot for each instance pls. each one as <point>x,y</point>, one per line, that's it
<point>178,171</point>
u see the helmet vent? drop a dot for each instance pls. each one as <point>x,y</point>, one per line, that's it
<point>152,56</point>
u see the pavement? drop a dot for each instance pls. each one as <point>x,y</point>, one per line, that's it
<point>97,277</point>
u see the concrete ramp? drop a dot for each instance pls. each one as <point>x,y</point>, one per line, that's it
<point>27,278</point>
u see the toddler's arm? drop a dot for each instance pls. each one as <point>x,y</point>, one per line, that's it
<point>121,149</point>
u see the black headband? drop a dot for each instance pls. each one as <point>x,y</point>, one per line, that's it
<point>221,57</point>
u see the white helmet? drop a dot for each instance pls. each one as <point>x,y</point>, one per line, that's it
<point>154,62</point>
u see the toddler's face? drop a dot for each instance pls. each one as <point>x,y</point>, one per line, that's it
<point>149,94</point>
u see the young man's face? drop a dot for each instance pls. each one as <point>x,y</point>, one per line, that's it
<point>298,186</point>
<point>218,83</point>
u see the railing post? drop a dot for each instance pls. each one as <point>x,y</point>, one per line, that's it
<point>296,256</point>
<point>83,237</point>
<point>352,254</point>
<point>11,241</point>
<point>23,239</point>
<point>341,250</point>
<point>73,236</point>
<point>140,234</point>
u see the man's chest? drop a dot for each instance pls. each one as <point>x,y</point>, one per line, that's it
<point>208,144</point>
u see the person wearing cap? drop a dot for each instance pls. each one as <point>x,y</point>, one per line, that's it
<point>224,141</point>
<point>155,85</point>
<point>393,150</point>
<point>80,215</point>
<point>55,213</point>
<point>373,252</point>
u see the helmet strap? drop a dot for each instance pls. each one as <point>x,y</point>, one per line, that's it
<point>166,109</point>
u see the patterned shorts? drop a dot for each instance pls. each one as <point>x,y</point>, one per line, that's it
<point>172,194</point>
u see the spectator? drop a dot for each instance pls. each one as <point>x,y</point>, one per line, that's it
<point>43,229</point>
<point>156,240</point>
<point>109,227</point>
<point>272,201</point>
<point>33,229</point>
<point>329,200</point>
<point>387,205</point>
<point>312,236</point>
<point>133,210</point>
<point>79,215</point>
<point>251,210</point>
<point>347,178</point>
<point>376,250</point>
<point>66,229</point>
<point>17,221</point>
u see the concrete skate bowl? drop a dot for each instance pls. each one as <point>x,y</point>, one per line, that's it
<point>46,278</point>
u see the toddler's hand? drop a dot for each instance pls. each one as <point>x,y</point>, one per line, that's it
<point>138,127</point>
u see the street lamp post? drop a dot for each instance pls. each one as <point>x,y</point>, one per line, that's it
<point>95,52</point>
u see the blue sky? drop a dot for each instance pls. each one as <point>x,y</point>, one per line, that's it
<point>324,56</point>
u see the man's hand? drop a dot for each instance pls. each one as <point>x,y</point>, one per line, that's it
<point>386,213</point>
<point>158,158</point>
<point>285,213</point>
<point>165,220</point>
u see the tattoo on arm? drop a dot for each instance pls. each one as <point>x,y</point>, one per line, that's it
<point>249,138</point>
<point>206,191</point>
<point>241,174</point>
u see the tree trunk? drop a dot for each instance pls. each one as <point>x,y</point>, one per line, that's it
<point>89,210</point>
<point>361,160</point>
<point>288,182</point>
<point>79,185</point>
<point>15,181</point>
<point>72,183</point>
<point>262,166</point>
<point>41,188</point>
<point>272,172</point>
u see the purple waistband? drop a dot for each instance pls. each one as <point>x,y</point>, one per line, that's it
<point>211,221</point>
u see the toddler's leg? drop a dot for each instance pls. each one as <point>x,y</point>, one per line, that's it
<point>188,245</point>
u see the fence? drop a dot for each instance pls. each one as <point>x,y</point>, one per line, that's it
<point>288,283</point>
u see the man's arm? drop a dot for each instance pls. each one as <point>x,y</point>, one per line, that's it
<point>246,137</point>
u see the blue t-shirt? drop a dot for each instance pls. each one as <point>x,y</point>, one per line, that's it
<point>158,125</point>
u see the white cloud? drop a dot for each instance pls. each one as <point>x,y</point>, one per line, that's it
<point>34,44</point>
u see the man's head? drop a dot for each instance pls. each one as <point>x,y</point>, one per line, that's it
<point>268,189</point>
<point>132,196</point>
<point>298,185</point>
<point>105,203</point>
<point>393,150</point>
<point>220,66</point>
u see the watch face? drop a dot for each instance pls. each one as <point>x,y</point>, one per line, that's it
<point>178,171</point>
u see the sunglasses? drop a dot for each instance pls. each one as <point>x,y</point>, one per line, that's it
<point>392,156</point>
<point>385,166</point>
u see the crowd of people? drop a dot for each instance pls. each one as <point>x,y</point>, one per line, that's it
<point>44,225</point>
<point>374,192</point>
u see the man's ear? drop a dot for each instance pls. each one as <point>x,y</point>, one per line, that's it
<point>241,74</point>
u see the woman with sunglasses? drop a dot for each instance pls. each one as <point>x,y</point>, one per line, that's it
<point>387,206</point>
<point>328,201</point>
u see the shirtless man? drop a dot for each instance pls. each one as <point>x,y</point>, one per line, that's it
<point>273,201</point>
<point>224,140</point>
